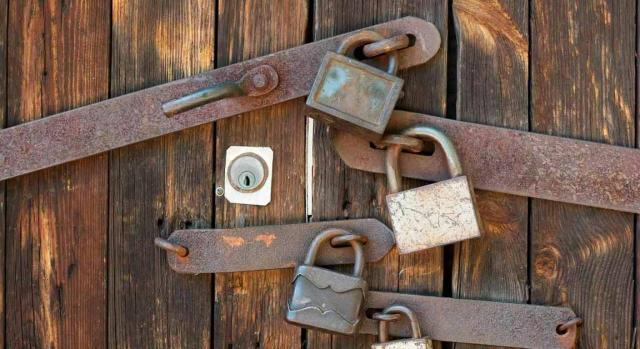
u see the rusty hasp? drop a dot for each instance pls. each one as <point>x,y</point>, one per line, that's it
<point>477,322</point>
<point>189,102</point>
<point>268,247</point>
<point>513,162</point>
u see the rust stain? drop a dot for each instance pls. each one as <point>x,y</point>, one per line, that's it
<point>233,241</point>
<point>267,239</point>
<point>546,262</point>
<point>491,16</point>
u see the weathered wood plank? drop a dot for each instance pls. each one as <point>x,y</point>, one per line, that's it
<point>341,193</point>
<point>493,89</point>
<point>159,185</point>
<point>4,9</point>
<point>249,307</point>
<point>58,58</point>
<point>583,72</point>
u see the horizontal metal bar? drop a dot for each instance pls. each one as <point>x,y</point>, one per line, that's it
<point>477,322</point>
<point>139,116</point>
<point>514,162</point>
<point>271,247</point>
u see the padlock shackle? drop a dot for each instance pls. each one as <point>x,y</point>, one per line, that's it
<point>365,37</point>
<point>392,154</point>
<point>327,235</point>
<point>450,152</point>
<point>383,326</point>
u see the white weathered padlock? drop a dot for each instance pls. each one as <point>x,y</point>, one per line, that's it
<point>436,214</point>
<point>416,342</point>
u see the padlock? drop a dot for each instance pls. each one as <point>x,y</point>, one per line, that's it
<point>353,95</point>
<point>436,214</point>
<point>324,299</point>
<point>416,342</point>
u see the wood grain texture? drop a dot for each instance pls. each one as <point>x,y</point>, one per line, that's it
<point>492,88</point>
<point>249,307</point>
<point>4,9</point>
<point>583,73</point>
<point>159,185</point>
<point>58,56</point>
<point>342,193</point>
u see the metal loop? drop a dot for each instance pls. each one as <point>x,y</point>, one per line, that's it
<point>412,144</point>
<point>383,326</point>
<point>171,247</point>
<point>329,234</point>
<point>566,326</point>
<point>386,46</point>
<point>366,37</point>
<point>343,240</point>
<point>450,152</point>
<point>386,317</point>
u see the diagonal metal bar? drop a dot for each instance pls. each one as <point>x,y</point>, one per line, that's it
<point>514,162</point>
<point>139,116</point>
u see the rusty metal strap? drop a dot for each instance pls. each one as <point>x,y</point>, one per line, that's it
<point>478,322</point>
<point>514,162</point>
<point>269,247</point>
<point>140,116</point>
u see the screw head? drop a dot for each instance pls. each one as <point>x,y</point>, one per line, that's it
<point>259,81</point>
<point>219,191</point>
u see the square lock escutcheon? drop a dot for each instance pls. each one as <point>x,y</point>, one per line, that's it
<point>353,95</point>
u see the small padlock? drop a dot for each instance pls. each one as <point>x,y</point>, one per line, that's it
<point>324,299</point>
<point>353,95</point>
<point>436,214</point>
<point>416,342</point>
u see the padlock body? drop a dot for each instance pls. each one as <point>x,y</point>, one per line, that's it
<point>420,343</point>
<point>326,300</point>
<point>433,215</point>
<point>354,96</point>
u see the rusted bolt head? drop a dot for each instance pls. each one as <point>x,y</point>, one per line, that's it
<point>259,81</point>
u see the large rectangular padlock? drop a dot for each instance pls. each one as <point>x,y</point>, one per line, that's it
<point>393,313</point>
<point>353,95</point>
<point>324,299</point>
<point>436,214</point>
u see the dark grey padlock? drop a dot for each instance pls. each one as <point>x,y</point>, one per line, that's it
<point>416,342</point>
<point>324,299</point>
<point>352,95</point>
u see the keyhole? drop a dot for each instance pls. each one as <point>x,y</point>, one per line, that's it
<point>247,180</point>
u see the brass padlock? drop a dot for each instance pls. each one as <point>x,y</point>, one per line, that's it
<point>436,214</point>
<point>324,299</point>
<point>353,95</point>
<point>416,342</point>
